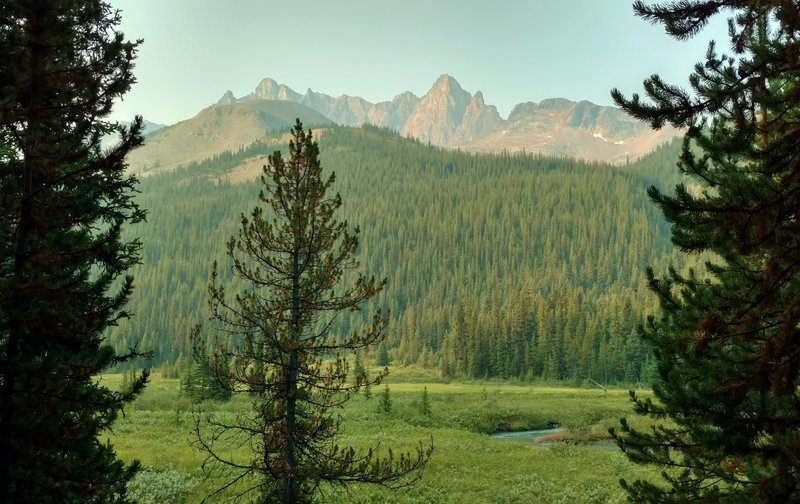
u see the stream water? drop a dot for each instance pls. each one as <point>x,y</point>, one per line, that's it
<point>528,435</point>
<point>531,436</point>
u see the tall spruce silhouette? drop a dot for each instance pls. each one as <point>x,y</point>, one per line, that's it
<point>64,201</point>
<point>727,342</point>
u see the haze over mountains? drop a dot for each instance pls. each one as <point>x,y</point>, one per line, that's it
<point>446,116</point>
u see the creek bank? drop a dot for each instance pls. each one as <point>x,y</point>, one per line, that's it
<point>547,437</point>
<point>538,436</point>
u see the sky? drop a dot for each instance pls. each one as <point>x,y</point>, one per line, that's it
<point>511,50</point>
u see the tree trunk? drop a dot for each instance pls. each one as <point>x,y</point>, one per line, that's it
<point>290,480</point>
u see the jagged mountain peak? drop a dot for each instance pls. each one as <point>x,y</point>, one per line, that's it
<point>439,113</point>
<point>227,98</point>
<point>266,85</point>
<point>446,80</point>
<point>269,89</point>
<point>449,116</point>
<point>267,82</point>
<point>405,95</point>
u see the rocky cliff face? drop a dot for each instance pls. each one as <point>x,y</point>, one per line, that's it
<point>449,116</point>
<point>268,89</point>
<point>394,114</point>
<point>439,114</point>
<point>227,99</point>
<point>565,128</point>
<point>355,111</point>
<point>478,121</point>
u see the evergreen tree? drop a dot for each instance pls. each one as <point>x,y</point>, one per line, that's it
<point>385,400</point>
<point>64,201</point>
<point>727,343</point>
<point>359,372</point>
<point>362,373</point>
<point>204,381</point>
<point>383,355</point>
<point>425,405</point>
<point>186,376</point>
<point>293,254</point>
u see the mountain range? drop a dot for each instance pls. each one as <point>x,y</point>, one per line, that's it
<point>446,116</point>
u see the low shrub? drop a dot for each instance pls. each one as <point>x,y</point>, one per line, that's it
<point>160,486</point>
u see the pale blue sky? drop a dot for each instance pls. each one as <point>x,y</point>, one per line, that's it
<point>511,50</point>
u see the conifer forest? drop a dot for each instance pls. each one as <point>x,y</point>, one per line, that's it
<point>299,298</point>
<point>557,296</point>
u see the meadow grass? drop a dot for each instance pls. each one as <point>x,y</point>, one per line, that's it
<point>467,465</point>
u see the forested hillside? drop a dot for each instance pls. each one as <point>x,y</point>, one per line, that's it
<point>509,265</point>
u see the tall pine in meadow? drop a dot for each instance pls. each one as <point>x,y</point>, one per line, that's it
<point>297,264</point>
<point>727,342</point>
<point>64,201</point>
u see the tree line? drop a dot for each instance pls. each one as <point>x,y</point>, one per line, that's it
<point>510,265</point>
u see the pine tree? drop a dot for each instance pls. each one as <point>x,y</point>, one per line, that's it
<point>293,256</point>
<point>385,400</point>
<point>383,355</point>
<point>359,372</point>
<point>425,404</point>
<point>727,343</point>
<point>204,381</point>
<point>186,375</point>
<point>64,201</point>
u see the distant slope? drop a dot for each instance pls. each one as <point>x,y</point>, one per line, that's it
<point>151,127</point>
<point>497,265</point>
<point>216,129</point>
<point>148,129</point>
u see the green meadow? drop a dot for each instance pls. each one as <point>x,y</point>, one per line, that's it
<point>467,465</point>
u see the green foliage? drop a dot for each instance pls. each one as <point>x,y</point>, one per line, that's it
<point>385,400</point>
<point>297,264</point>
<point>361,374</point>
<point>468,466</point>
<point>383,359</point>
<point>508,265</point>
<point>129,380</point>
<point>168,371</point>
<point>201,381</point>
<point>359,371</point>
<point>425,403</point>
<point>726,343</point>
<point>160,486</point>
<point>64,201</point>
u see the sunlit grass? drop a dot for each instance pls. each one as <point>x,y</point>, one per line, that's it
<point>467,465</point>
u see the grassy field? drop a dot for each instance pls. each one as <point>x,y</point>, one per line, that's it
<point>467,465</point>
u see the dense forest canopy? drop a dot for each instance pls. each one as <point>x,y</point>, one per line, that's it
<point>506,265</point>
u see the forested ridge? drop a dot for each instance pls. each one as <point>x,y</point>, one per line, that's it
<point>507,265</point>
